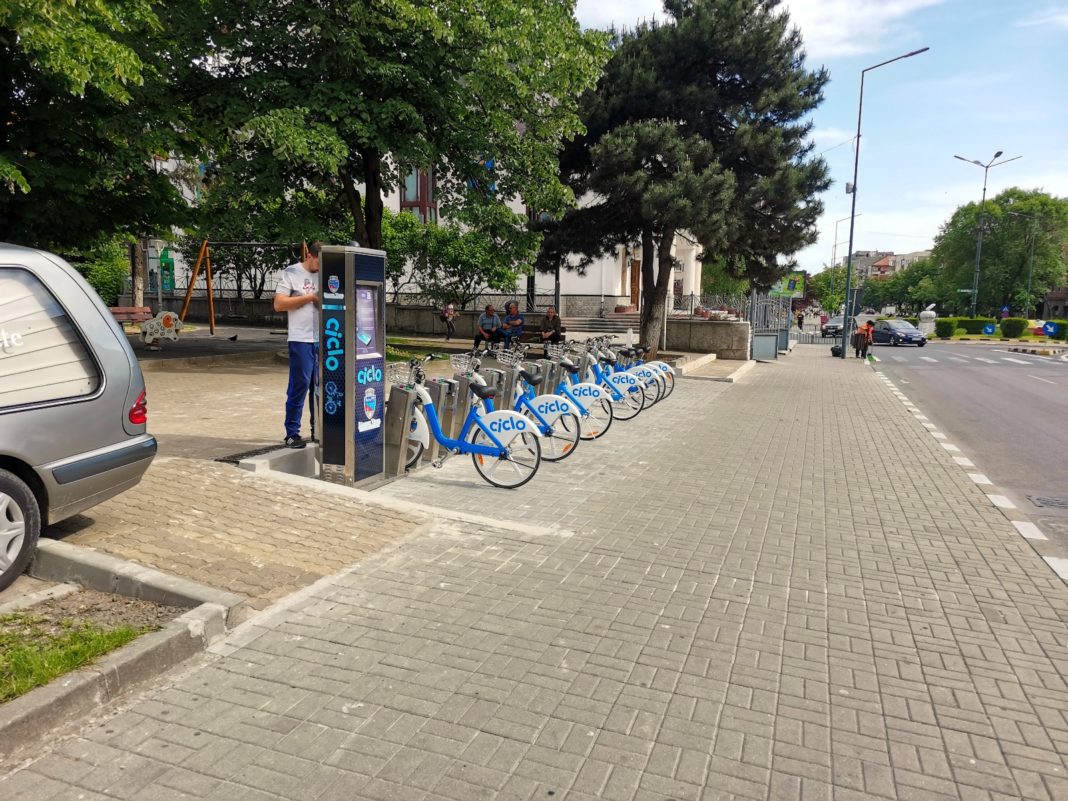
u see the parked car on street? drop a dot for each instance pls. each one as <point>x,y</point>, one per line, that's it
<point>833,327</point>
<point>73,411</point>
<point>897,332</point>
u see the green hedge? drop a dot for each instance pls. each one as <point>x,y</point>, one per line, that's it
<point>945,326</point>
<point>1012,327</point>
<point>975,325</point>
<point>914,320</point>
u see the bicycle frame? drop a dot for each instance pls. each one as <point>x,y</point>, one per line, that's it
<point>506,420</point>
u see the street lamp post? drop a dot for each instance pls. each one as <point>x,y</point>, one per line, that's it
<point>853,209</point>
<point>834,249</point>
<point>982,210</point>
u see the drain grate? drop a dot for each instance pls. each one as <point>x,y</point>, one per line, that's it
<point>238,457</point>
<point>1049,503</point>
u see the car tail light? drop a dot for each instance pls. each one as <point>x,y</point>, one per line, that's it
<point>139,411</point>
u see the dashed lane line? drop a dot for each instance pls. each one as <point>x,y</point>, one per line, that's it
<point>1045,380</point>
<point>1029,530</point>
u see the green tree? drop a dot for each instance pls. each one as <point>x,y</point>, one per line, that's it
<point>1012,221</point>
<point>93,99</point>
<point>729,76</point>
<point>487,248</point>
<point>828,287</point>
<point>354,92</point>
<point>73,46</point>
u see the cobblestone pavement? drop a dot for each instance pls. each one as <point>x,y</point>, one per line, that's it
<point>782,589</point>
<point>235,530</point>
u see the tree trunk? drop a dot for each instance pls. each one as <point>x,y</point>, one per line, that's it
<point>655,308</point>
<point>372,170</point>
<point>648,279</point>
<point>137,267</point>
<point>355,204</point>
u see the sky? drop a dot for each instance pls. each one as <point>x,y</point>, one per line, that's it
<point>995,78</point>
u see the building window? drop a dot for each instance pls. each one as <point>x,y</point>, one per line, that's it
<point>418,196</point>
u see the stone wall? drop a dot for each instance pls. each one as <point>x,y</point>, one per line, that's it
<point>728,340</point>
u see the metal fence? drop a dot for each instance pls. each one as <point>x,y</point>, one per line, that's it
<point>711,307</point>
<point>770,313</point>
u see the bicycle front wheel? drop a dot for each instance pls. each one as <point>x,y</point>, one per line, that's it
<point>515,467</point>
<point>628,407</point>
<point>596,421</point>
<point>560,443</point>
<point>414,454</point>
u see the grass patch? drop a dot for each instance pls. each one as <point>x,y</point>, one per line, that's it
<point>397,353</point>
<point>35,650</point>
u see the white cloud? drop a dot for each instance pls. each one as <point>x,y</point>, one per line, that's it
<point>831,28</point>
<point>834,28</point>
<point>1057,17</point>
<point>621,13</point>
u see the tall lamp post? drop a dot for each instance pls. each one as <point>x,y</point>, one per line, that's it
<point>982,210</point>
<point>834,249</point>
<point>847,317</point>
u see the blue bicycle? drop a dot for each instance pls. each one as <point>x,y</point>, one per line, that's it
<point>623,388</point>
<point>504,445</point>
<point>557,418</point>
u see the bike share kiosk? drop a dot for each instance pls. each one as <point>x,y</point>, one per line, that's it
<point>352,355</point>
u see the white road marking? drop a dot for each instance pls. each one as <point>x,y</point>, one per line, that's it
<point>1001,502</point>
<point>988,361</point>
<point>928,359</point>
<point>919,416</point>
<point>1029,530</point>
<point>964,461</point>
<point>1014,361</point>
<point>979,478</point>
<point>898,358</point>
<point>1042,379</point>
<point>950,447</point>
<point>938,435</point>
<point>1059,565</point>
<point>959,359</point>
<point>930,425</point>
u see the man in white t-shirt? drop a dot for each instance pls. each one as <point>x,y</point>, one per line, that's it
<point>298,295</point>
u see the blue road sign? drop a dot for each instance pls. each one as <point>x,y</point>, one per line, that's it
<point>1051,329</point>
<point>989,329</point>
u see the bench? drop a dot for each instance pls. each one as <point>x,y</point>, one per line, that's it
<point>131,314</point>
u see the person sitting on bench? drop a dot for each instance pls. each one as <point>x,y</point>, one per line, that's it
<point>489,328</point>
<point>550,329</point>
<point>512,327</point>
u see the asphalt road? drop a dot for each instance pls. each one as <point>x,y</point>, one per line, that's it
<point>1006,411</point>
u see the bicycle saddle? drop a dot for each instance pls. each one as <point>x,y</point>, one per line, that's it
<point>530,378</point>
<point>571,368</point>
<point>484,392</point>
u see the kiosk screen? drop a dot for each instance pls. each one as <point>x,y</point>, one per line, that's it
<point>367,344</point>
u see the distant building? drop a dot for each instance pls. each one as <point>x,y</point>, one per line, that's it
<point>883,263</point>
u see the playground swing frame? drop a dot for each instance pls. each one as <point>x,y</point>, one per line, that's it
<point>204,260</point>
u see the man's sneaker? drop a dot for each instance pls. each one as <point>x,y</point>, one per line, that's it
<point>295,441</point>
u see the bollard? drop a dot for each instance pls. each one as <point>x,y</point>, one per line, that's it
<point>395,437</point>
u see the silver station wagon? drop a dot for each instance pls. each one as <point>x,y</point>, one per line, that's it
<point>72,402</point>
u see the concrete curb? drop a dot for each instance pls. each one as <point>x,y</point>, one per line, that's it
<point>29,719</point>
<point>60,561</point>
<point>744,368</point>
<point>688,364</point>
<point>1039,351</point>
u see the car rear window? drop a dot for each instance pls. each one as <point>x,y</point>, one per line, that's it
<point>42,357</point>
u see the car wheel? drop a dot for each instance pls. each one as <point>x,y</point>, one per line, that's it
<point>920,344</point>
<point>20,526</point>
<point>895,341</point>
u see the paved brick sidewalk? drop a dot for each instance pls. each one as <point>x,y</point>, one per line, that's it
<point>783,589</point>
<point>235,530</point>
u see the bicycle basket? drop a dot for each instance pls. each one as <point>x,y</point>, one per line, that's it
<point>461,362</point>
<point>555,352</point>
<point>510,358</point>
